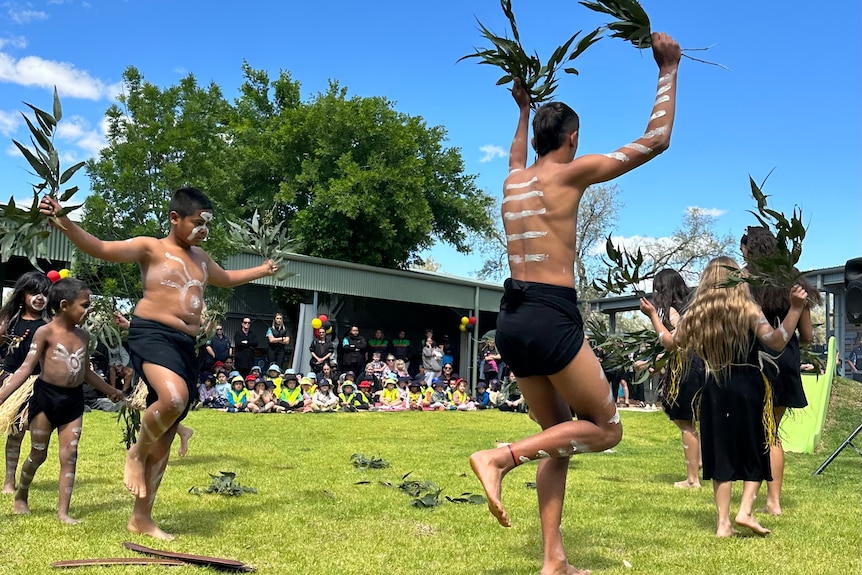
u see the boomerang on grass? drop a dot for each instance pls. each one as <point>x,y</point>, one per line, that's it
<point>161,557</point>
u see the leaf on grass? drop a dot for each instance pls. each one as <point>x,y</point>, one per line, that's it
<point>530,484</point>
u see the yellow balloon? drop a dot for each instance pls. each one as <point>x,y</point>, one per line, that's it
<point>462,327</point>
<point>465,320</point>
<point>329,330</point>
<point>64,273</point>
<point>316,323</point>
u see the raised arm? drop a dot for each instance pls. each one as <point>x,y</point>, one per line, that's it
<point>594,168</point>
<point>665,335</point>
<point>221,277</point>
<point>128,251</point>
<point>777,338</point>
<point>805,327</point>
<point>519,150</point>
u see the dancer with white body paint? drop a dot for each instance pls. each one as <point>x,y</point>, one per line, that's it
<point>539,329</point>
<point>60,349</point>
<point>24,313</point>
<point>175,272</point>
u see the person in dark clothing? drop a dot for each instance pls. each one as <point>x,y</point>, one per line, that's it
<point>244,344</point>
<point>353,347</point>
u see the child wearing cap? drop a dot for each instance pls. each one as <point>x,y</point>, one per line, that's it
<point>323,399</point>
<point>439,397</point>
<point>415,397</point>
<point>289,398</point>
<point>391,398</point>
<point>308,387</point>
<point>273,374</point>
<point>367,391</point>
<point>261,399</point>
<point>461,399</point>
<point>237,398</point>
<point>483,398</point>
<point>349,399</point>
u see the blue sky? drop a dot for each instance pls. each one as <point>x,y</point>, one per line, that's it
<point>791,102</point>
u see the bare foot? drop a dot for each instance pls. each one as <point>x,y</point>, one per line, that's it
<point>726,531</point>
<point>148,527</point>
<point>491,477</point>
<point>750,522</point>
<point>69,520</point>
<point>8,488</point>
<point>133,474</point>
<point>686,484</point>
<point>185,434</point>
<point>20,507</point>
<point>770,509</point>
<point>564,569</point>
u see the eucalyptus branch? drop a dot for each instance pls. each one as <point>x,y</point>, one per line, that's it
<point>624,271</point>
<point>27,229</point>
<point>538,79</point>
<point>268,239</point>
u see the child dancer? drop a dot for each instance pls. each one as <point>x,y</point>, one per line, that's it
<point>162,334</point>
<point>722,326</point>
<point>680,387</point>
<point>757,245</point>
<point>23,314</point>
<point>61,348</point>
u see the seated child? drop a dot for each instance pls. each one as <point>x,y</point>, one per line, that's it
<point>323,399</point>
<point>349,399</point>
<point>415,397</point>
<point>208,395</point>
<point>308,387</point>
<point>273,374</point>
<point>440,396</point>
<point>483,398</point>
<point>366,389</point>
<point>461,399</point>
<point>61,347</point>
<point>289,399</point>
<point>237,398</point>
<point>390,397</point>
<point>223,384</point>
<point>261,400</point>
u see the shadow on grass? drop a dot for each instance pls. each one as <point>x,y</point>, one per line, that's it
<point>207,520</point>
<point>578,556</point>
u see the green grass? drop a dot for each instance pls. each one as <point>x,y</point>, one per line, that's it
<point>311,517</point>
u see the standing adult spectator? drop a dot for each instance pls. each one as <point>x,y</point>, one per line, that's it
<point>378,343</point>
<point>432,360</point>
<point>401,347</point>
<point>218,347</point>
<point>854,360</point>
<point>353,346</point>
<point>244,344</point>
<point>322,349</point>
<point>278,340</point>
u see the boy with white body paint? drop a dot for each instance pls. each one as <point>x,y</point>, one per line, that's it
<point>61,349</point>
<point>539,328</point>
<point>174,272</point>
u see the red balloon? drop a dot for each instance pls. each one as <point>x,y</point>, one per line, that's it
<point>323,317</point>
<point>472,320</point>
<point>54,276</point>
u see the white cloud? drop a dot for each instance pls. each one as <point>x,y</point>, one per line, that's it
<point>25,16</point>
<point>9,122</point>
<point>13,42</point>
<point>631,244</point>
<point>70,81</point>
<point>78,131</point>
<point>711,212</point>
<point>491,151</point>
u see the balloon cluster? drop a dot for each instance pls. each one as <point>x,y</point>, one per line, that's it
<point>322,322</point>
<point>468,323</point>
<point>56,276</point>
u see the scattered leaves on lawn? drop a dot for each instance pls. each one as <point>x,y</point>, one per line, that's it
<point>360,461</point>
<point>472,498</point>
<point>225,484</point>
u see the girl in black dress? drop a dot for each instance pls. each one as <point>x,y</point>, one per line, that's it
<point>722,326</point>
<point>757,245</point>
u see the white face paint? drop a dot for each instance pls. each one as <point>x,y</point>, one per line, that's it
<point>72,361</point>
<point>618,156</point>
<point>523,214</point>
<point>207,218</point>
<point>37,302</point>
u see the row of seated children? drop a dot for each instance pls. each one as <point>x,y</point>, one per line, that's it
<point>288,393</point>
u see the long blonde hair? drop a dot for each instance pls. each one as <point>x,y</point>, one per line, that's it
<point>717,324</point>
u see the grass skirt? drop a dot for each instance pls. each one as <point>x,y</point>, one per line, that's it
<point>15,410</point>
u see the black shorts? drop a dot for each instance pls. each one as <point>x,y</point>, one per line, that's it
<point>156,343</point>
<point>539,328</point>
<point>61,405</point>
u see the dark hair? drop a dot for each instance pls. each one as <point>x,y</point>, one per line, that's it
<point>552,123</point>
<point>669,291</point>
<point>32,282</point>
<point>186,201</point>
<point>773,300</point>
<point>65,289</point>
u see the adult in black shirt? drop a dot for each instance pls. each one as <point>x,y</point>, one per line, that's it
<point>278,340</point>
<point>353,347</point>
<point>244,344</point>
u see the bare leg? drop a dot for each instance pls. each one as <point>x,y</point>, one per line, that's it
<point>551,400</point>
<point>69,435</point>
<point>776,462</point>
<point>723,490</point>
<point>40,436</point>
<point>691,451</point>
<point>141,520</point>
<point>185,434</point>
<point>745,517</point>
<point>159,417</point>
<point>13,453</point>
